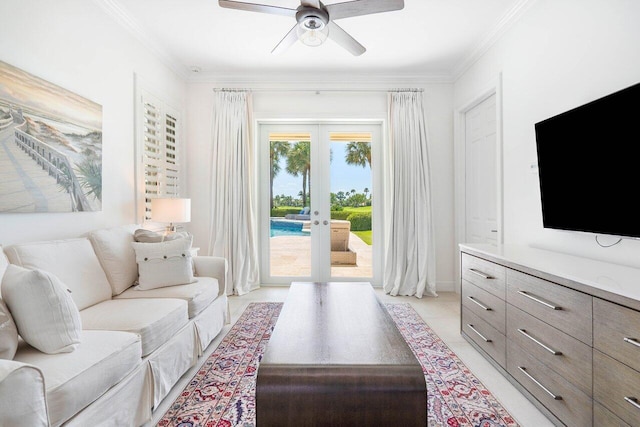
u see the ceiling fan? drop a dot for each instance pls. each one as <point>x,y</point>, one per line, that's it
<point>315,20</point>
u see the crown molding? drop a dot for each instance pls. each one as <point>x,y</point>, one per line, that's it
<point>318,80</point>
<point>113,9</point>
<point>486,43</point>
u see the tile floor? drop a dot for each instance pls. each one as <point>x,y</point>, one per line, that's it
<point>443,316</point>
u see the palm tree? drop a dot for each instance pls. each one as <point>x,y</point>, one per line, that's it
<point>89,174</point>
<point>277,150</point>
<point>299,163</point>
<point>365,191</point>
<point>358,153</point>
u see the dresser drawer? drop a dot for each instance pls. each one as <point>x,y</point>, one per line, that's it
<point>484,274</point>
<point>561,353</point>
<point>616,332</point>
<point>489,339</point>
<point>569,404</point>
<point>561,307</point>
<point>602,417</point>
<point>487,306</point>
<point>617,387</point>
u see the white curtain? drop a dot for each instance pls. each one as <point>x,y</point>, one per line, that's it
<point>410,251</point>
<point>233,224</point>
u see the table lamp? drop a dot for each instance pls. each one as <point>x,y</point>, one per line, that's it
<point>171,210</point>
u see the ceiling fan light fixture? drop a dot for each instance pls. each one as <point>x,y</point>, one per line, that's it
<point>313,36</point>
<point>312,25</point>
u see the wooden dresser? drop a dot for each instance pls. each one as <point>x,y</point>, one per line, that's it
<point>564,330</point>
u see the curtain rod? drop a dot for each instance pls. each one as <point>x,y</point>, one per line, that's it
<point>317,91</point>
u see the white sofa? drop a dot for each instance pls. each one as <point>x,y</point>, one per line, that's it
<point>135,345</point>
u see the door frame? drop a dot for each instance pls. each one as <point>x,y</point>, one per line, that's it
<point>323,244</point>
<point>494,88</point>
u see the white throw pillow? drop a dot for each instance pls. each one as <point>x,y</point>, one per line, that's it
<point>8,333</point>
<point>113,248</point>
<point>163,264</point>
<point>147,236</point>
<point>42,307</point>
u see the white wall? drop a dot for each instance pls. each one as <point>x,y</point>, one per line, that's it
<point>559,55</point>
<point>330,105</point>
<point>76,45</point>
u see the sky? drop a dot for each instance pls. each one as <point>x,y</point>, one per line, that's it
<point>24,89</point>
<point>343,177</point>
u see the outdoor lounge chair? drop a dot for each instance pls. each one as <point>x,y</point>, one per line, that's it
<point>302,216</point>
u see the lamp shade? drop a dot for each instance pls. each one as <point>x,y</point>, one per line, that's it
<point>171,210</point>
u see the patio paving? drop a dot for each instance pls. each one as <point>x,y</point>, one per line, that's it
<point>291,256</point>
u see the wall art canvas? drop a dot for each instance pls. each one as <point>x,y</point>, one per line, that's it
<point>50,146</point>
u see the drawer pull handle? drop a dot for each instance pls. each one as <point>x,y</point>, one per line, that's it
<point>478,333</point>
<point>480,273</point>
<point>549,349</point>
<point>632,341</point>
<point>540,301</point>
<point>478,303</point>
<point>546,390</point>
<point>633,401</point>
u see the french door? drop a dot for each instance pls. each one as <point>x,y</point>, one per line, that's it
<point>320,196</point>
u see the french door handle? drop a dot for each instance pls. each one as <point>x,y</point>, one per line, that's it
<point>325,222</point>
<point>316,222</point>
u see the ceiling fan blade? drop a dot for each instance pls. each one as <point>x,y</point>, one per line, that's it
<point>252,7</point>
<point>362,7</point>
<point>312,3</point>
<point>340,36</point>
<point>287,41</point>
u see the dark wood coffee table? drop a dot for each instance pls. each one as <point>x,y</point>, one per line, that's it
<point>336,358</point>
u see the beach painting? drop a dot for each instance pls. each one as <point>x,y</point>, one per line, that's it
<point>50,146</point>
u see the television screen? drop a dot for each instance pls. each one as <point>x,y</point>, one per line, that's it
<point>589,166</point>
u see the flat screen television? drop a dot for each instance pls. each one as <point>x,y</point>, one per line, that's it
<point>589,166</point>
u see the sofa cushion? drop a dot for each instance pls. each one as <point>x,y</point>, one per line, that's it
<point>73,261</point>
<point>8,333</point>
<point>155,320</point>
<point>198,295</point>
<point>73,380</point>
<point>46,316</point>
<point>164,264</point>
<point>118,260</point>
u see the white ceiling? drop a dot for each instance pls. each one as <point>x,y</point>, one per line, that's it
<point>428,38</point>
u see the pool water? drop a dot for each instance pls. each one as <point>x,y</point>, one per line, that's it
<point>287,228</point>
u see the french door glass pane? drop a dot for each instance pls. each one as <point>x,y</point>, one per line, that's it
<point>351,204</point>
<point>290,198</point>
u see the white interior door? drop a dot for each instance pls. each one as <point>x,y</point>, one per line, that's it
<point>307,231</point>
<point>481,184</point>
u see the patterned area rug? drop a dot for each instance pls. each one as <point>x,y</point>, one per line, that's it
<point>222,393</point>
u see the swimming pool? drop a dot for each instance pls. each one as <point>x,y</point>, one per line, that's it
<point>287,228</point>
